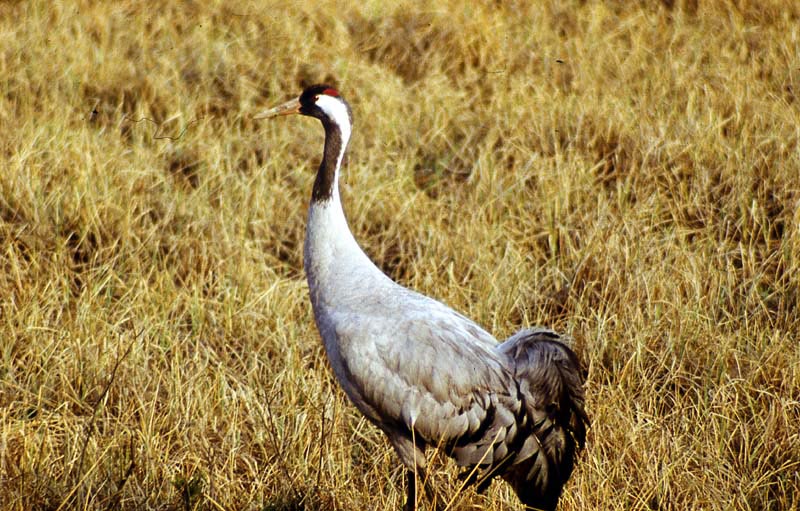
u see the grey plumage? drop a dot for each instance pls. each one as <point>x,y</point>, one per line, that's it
<point>423,373</point>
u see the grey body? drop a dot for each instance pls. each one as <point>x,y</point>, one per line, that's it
<point>425,374</point>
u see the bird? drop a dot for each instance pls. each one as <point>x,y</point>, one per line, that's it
<point>424,374</point>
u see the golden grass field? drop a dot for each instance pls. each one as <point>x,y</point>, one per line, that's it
<point>625,172</point>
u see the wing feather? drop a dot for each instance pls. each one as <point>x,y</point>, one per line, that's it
<point>434,371</point>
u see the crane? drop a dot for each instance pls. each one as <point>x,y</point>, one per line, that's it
<point>421,372</point>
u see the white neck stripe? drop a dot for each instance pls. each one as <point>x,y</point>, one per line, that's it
<point>337,111</point>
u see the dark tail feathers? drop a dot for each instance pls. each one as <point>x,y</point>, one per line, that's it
<point>551,383</point>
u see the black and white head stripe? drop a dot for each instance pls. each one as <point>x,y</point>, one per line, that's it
<point>337,112</point>
<point>325,103</point>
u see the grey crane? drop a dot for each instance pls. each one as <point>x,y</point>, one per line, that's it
<point>423,373</point>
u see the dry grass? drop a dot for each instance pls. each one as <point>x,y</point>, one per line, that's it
<point>626,172</point>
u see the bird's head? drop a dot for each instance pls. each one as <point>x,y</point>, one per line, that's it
<point>320,101</point>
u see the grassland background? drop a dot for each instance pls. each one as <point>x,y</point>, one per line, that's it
<point>626,172</point>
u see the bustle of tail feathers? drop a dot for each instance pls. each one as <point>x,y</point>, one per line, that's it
<point>551,381</point>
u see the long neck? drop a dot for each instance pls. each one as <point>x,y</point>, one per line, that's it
<point>333,260</point>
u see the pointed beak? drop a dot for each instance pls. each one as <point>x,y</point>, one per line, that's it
<point>288,108</point>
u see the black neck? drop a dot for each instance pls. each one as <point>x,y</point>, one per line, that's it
<point>326,175</point>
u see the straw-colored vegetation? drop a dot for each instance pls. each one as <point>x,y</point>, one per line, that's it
<point>626,172</point>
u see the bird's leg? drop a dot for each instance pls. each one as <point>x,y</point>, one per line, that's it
<point>411,491</point>
<point>411,486</point>
<point>413,459</point>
